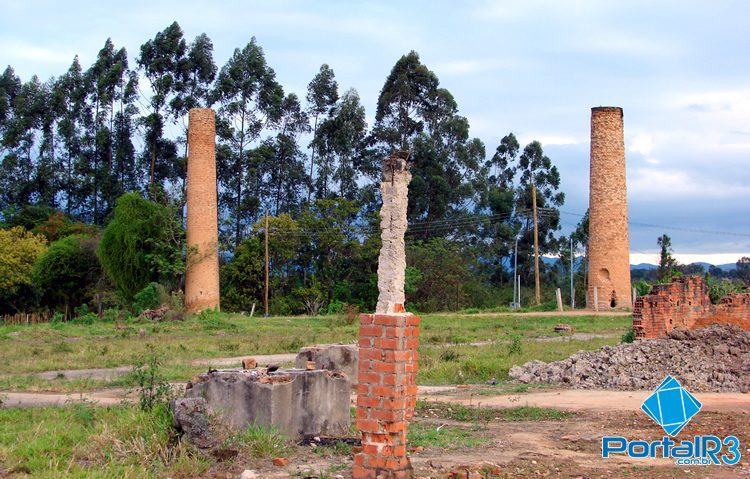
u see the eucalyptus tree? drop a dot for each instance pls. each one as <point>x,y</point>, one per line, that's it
<point>194,90</point>
<point>341,142</point>
<point>74,122</point>
<point>250,100</point>
<point>22,125</point>
<point>287,177</point>
<point>162,61</point>
<point>414,114</point>
<point>322,95</point>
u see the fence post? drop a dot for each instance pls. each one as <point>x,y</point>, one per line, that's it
<point>558,293</point>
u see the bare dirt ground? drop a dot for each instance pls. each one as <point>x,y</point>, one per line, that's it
<point>572,448</point>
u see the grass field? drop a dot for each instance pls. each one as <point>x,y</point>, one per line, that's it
<point>80,440</point>
<point>447,355</point>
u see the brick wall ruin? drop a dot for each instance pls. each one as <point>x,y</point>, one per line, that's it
<point>609,248</point>
<point>685,304</point>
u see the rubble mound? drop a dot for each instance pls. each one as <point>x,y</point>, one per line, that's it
<point>715,359</point>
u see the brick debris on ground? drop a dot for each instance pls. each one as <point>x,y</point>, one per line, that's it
<point>712,359</point>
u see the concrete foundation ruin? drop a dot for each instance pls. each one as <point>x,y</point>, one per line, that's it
<point>202,275</point>
<point>388,342</point>
<point>608,248</point>
<point>298,403</point>
<point>685,304</point>
<point>340,358</point>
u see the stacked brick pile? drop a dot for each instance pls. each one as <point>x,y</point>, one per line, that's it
<point>386,393</point>
<point>685,304</point>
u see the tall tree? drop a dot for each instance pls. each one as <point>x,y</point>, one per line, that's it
<point>322,95</point>
<point>194,90</point>
<point>667,262</point>
<point>250,100</point>
<point>288,176</point>
<point>340,142</point>
<point>415,115</point>
<point>162,61</point>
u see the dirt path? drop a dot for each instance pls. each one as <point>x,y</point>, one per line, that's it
<point>532,314</point>
<point>588,400</point>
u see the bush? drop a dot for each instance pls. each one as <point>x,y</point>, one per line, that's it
<point>142,244</point>
<point>19,250</point>
<point>719,287</point>
<point>438,272</point>
<point>242,277</point>
<point>152,387</point>
<point>68,272</point>
<point>629,336</point>
<point>150,297</point>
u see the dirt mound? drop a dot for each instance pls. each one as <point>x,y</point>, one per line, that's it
<point>716,358</point>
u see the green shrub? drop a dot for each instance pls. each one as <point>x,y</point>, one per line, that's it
<point>152,387</point>
<point>629,336</point>
<point>68,272</point>
<point>142,244</point>
<point>242,277</point>
<point>150,297</point>
<point>19,250</point>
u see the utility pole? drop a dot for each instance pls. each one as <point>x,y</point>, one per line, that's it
<point>516,285</point>
<point>265,293</point>
<point>537,286</point>
<point>572,294</point>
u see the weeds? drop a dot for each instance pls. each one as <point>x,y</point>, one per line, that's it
<point>261,442</point>
<point>151,386</point>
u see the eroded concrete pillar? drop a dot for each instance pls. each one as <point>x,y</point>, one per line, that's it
<point>202,276</point>
<point>394,190</point>
<point>609,246</point>
<point>388,342</point>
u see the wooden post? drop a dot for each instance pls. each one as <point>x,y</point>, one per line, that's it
<point>252,310</point>
<point>265,293</point>
<point>537,286</point>
<point>559,300</point>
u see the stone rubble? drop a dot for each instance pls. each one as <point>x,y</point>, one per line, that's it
<point>712,359</point>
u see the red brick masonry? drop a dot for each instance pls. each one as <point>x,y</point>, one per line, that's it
<point>686,304</point>
<point>386,393</point>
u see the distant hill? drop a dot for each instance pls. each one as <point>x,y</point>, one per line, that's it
<point>551,261</point>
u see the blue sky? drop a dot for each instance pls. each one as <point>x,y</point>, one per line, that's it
<point>680,70</point>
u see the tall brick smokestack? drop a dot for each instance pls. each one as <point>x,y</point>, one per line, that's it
<point>202,278</point>
<point>609,247</point>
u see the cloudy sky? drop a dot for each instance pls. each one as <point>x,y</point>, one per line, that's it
<point>680,69</point>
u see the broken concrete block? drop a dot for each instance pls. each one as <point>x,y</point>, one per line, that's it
<point>298,403</point>
<point>332,357</point>
<point>191,418</point>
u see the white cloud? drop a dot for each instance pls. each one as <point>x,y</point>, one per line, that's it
<point>665,183</point>
<point>15,51</point>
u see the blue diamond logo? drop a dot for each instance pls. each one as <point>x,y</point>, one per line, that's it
<point>671,406</point>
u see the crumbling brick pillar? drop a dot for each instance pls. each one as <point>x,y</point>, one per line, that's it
<point>202,275</point>
<point>388,342</point>
<point>609,247</point>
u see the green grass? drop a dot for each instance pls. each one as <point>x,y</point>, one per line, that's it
<point>445,437</point>
<point>463,413</point>
<point>79,440</point>
<point>25,350</point>
<point>477,364</point>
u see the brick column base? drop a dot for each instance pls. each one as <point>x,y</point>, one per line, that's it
<point>386,393</point>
